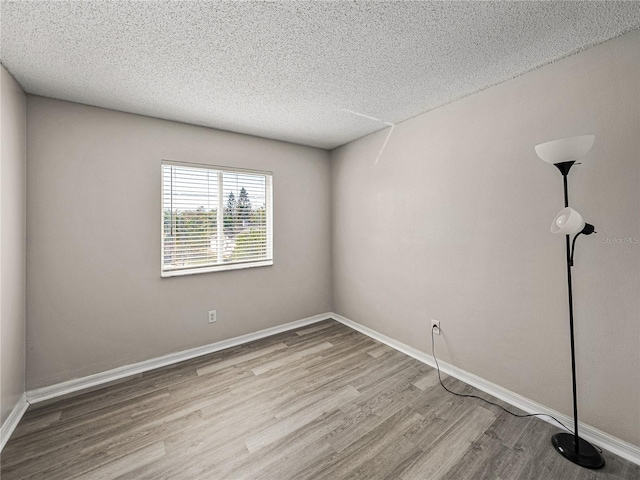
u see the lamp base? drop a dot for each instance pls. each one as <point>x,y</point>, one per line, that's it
<point>589,456</point>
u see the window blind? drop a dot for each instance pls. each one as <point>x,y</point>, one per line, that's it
<point>214,218</point>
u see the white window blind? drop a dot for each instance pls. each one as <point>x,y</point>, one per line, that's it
<point>214,218</point>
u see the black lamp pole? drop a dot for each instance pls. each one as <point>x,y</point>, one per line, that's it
<point>571,446</point>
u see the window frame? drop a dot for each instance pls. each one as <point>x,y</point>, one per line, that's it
<point>220,267</point>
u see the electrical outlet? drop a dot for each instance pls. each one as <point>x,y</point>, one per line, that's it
<point>436,324</point>
<point>213,317</point>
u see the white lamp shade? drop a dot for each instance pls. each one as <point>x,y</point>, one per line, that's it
<point>565,149</point>
<point>567,222</point>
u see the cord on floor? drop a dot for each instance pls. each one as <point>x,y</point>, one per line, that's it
<point>433,351</point>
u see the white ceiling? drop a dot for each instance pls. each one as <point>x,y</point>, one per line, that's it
<point>291,70</point>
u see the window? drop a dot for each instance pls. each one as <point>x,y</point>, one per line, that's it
<point>214,218</point>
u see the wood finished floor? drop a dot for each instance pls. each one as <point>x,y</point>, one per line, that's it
<point>322,402</point>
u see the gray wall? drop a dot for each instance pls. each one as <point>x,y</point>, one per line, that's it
<point>12,242</point>
<point>453,224</point>
<point>96,299</point>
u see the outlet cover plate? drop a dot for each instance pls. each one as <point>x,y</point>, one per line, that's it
<point>435,323</point>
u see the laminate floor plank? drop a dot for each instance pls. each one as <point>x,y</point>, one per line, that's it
<point>331,334</point>
<point>385,461</point>
<point>319,402</point>
<point>379,351</point>
<point>313,328</point>
<point>287,467</point>
<point>380,370</point>
<point>291,423</point>
<point>336,374</point>
<point>365,449</point>
<point>451,446</point>
<point>286,359</point>
<point>111,442</point>
<point>390,392</point>
<point>534,437</point>
<point>436,421</point>
<point>429,380</point>
<point>334,334</point>
<point>293,446</point>
<point>239,359</point>
<point>36,424</point>
<point>340,354</point>
<point>274,379</point>
<point>121,466</point>
<point>45,407</point>
<point>50,444</point>
<point>482,460</point>
<point>507,429</point>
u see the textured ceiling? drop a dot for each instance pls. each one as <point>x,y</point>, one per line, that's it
<point>291,70</point>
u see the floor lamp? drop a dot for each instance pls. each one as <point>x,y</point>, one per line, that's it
<point>563,154</point>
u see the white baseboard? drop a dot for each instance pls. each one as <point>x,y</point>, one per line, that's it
<point>78,384</point>
<point>608,442</point>
<point>12,420</point>
<point>604,440</point>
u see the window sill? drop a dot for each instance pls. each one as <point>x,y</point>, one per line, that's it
<point>214,268</point>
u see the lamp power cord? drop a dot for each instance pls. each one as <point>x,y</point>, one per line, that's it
<point>433,351</point>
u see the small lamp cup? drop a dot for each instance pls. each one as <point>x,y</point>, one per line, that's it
<point>567,222</point>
